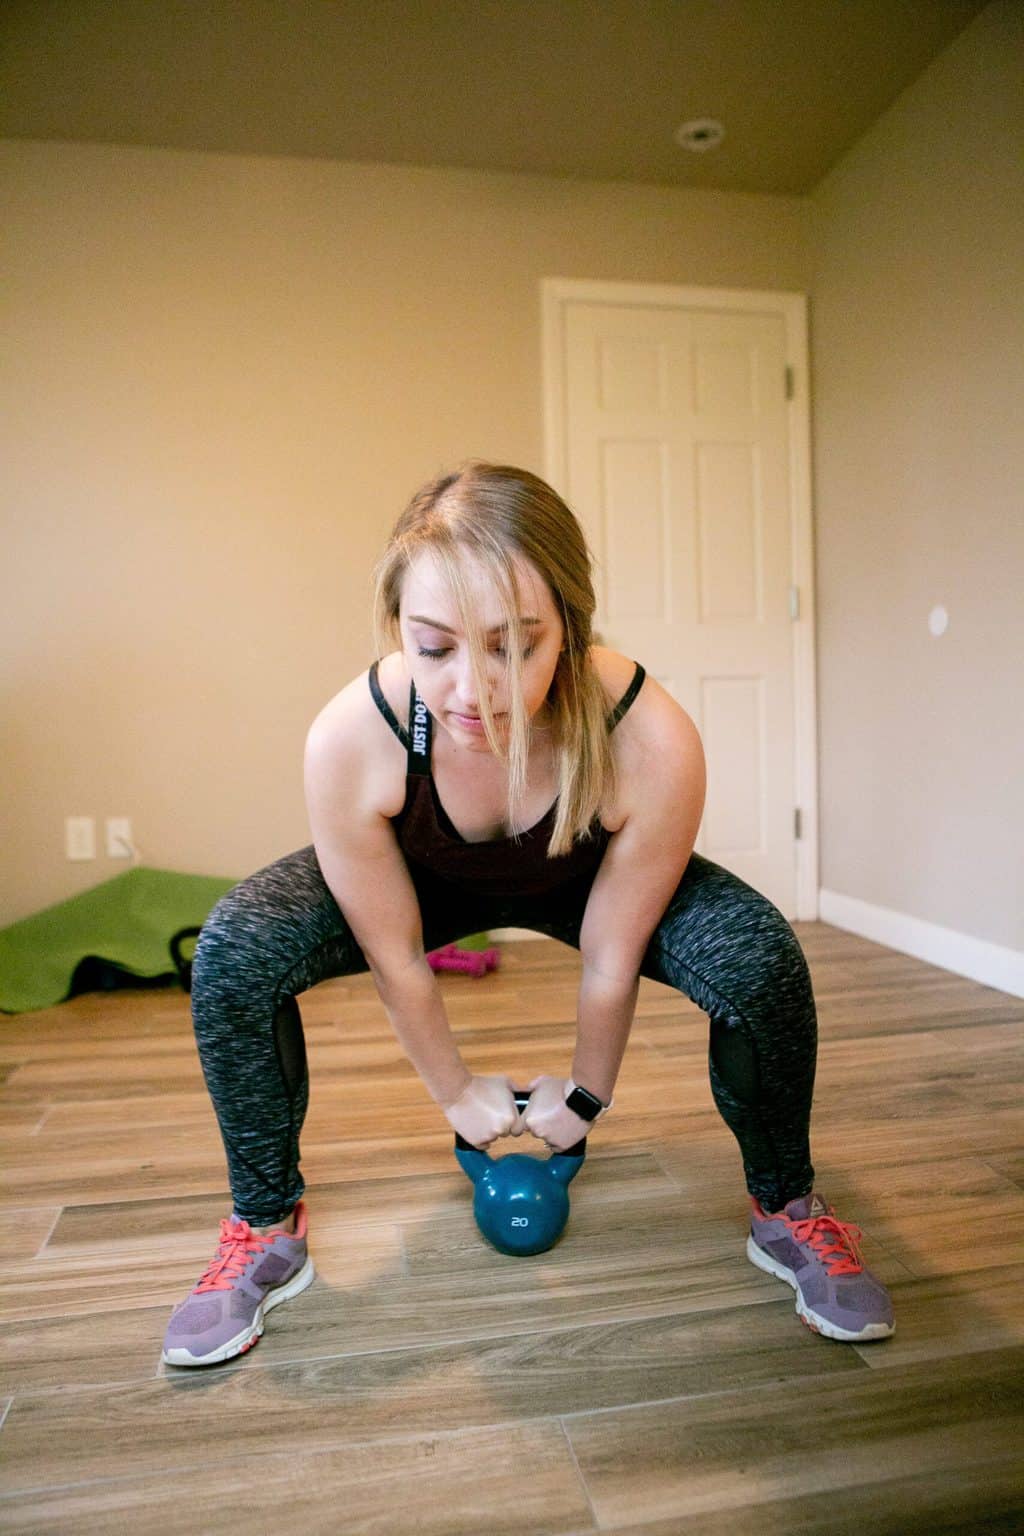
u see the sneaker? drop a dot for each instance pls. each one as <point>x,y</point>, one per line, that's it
<point>223,1316</point>
<point>817,1255</point>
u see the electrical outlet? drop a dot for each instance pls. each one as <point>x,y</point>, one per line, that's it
<point>80,837</point>
<point>119,837</point>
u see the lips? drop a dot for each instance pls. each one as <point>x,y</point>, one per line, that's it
<point>472,722</point>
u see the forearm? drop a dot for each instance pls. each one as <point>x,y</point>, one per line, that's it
<point>415,1007</point>
<point>605,1012</point>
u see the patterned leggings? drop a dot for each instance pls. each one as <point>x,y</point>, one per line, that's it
<point>720,942</point>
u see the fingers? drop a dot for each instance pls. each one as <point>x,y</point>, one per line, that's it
<point>493,1113</point>
<point>485,1111</point>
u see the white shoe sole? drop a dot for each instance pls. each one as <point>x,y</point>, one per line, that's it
<point>814,1320</point>
<point>252,1331</point>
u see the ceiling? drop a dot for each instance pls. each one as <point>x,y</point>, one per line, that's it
<point>581,88</point>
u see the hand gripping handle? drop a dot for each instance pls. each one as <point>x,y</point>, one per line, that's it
<point>522,1098</point>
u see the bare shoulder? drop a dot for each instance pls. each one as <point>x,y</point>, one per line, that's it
<point>654,720</point>
<point>656,746</point>
<point>351,750</point>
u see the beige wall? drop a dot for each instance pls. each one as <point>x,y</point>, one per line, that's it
<point>224,375</point>
<point>918,390</point>
<point>223,378</point>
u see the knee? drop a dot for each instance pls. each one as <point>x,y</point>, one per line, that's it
<point>774,980</point>
<point>779,949</point>
<point>739,950</point>
<point>259,928</point>
<point>227,957</point>
<point>279,931</point>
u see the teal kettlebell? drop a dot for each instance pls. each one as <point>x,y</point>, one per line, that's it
<point>521,1203</point>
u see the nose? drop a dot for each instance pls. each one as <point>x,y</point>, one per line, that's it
<point>466,691</point>
<point>467,694</point>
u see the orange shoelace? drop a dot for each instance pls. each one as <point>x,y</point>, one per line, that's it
<point>834,1241</point>
<point>238,1243</point>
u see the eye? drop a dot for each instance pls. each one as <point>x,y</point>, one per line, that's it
<point>499,650</point>
<point>433,655</point>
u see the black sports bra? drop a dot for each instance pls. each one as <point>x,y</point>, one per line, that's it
<point>514,866</point>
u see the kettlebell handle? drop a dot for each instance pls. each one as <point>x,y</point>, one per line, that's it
<point>522,1098</point>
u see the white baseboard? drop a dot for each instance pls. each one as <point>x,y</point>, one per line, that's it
<point>993,964</point>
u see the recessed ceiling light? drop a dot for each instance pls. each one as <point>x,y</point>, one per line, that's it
<point>700,134</point>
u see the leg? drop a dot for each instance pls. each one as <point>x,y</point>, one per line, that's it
<point>733,953</point>
<point>275,935</point>
<point>728,949</point>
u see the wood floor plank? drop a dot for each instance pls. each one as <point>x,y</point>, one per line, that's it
<point>131,1166</point>
<point>82,1116</point>
<point>734,1448</point>
<point>20,1120</point>
<point>958,1500</point>
<point>522,1476</point>
<point>81,1349</point>
<point>56,1438</point>
<point>122,1344</point>
<point>952,1314</point>
<point>951,1055</point>
<point>845,1134</point>
<point>1010,1165</point>
<point>24,1231</point>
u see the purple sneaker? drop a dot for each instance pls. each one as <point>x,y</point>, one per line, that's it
<point>223,1315</point>
<point>817,1255</point>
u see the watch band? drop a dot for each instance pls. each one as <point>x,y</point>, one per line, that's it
<point>584,1103</point>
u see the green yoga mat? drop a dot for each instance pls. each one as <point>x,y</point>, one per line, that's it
<point>127,922</point>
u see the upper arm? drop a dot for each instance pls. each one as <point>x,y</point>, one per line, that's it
<point>664,779</point>
<point>348,790</point>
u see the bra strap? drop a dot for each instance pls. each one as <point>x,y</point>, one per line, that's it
<point>418,760</point>
<point>627,698</point>
<point>385,708</point>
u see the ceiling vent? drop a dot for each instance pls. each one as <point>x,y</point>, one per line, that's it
<point>700,134</point>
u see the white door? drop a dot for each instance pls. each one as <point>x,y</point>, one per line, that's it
<point>676,458</point>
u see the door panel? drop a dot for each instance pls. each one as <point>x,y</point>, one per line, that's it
<point>677,463</point>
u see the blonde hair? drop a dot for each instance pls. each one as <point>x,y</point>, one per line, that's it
<point>489,514</point>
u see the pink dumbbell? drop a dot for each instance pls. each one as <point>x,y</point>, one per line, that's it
<point>474,962</point>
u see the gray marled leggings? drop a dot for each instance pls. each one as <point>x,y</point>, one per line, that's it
<point>279,932</point>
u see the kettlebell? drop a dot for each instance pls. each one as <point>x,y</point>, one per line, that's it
<point>521,1203</point>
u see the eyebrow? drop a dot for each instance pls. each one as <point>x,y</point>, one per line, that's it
<point>419,618</point>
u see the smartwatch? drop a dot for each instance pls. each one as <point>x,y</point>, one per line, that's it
<point>584,1103</point>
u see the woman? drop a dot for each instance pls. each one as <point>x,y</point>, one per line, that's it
<point>498,768</point>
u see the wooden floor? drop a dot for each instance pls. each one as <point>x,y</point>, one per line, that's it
<point>642,1378</point>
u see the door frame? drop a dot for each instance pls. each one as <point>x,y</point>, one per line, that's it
<point>556,294</point>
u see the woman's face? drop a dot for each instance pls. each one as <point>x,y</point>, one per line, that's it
<point>438,655</point>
